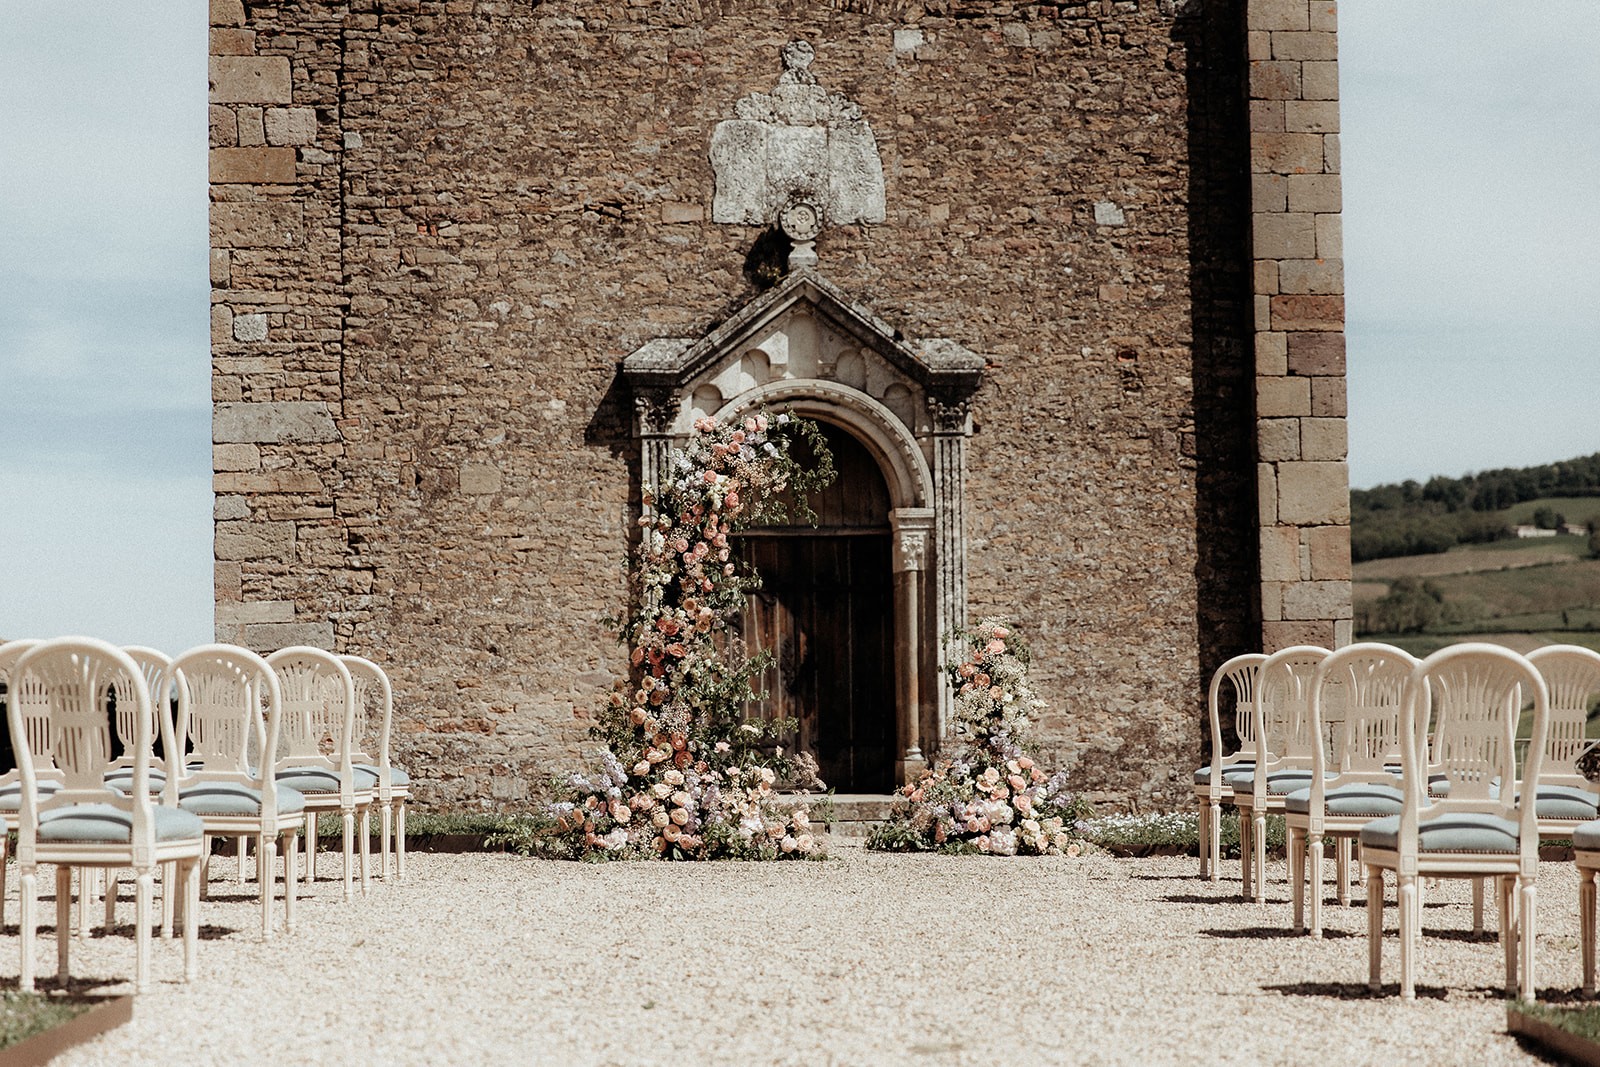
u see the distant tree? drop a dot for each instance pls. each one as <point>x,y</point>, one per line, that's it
<point>1594,540</point>
<point>1544,518</point>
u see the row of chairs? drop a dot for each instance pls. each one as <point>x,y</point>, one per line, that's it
<point>312,725</point>
<point>1415,762</point>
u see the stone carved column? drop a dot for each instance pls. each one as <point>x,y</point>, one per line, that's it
<point>654,410</point>
<point>952,422</point>
<point>909,532</point>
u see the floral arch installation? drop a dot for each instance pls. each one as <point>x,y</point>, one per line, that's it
<point>805,347</point>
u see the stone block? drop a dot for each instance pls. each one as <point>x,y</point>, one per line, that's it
<point>1287,153</point>
<point>227,12</point>
<point>1283,398</point>
<point>1297,312</point>
<point>1324,439</point>
<point>1266,116</point>
<point>1316,600</point>
<point>223,126</point>
<point>290,125</point>
<point>221,268</point>
<point>1277,440</point>
<point>248,165</point>
<point>254,225</point>
<point>251,80</point>
<point>271,636</point>
<point>1272,354</point>
<point>1324,15</point>
<point>1258,45</point>
<point>1271,601</point>
<point>1328,398</point>
<point>1311,116</point>
<point>672,212</point>
<point>254,540</point>
<point>1328,548</point>
<point>1272,80</point>
<point>257,483</point>
<point>1280,554</point>
<point>1108,214</point>
<point>908,39</point>
<point>248,122</point>
<point>224,508</point>
<point>272,422</point>
<point>1315,193</point>
<point>1316,353</point>
<point>1324,276</point>
<point>1277,634</point>
<point>1263,313</point>
<point>1330,237</point>
<point>480,478</point>
<point>232,42</point>
<point>1267,493</point>
<point>1269,192</point>
<point>1283,235</point>
<point>221,324</point>
<point>249,327</point>
<point>1307,45</point>
<point>1277,15</point>
<point>1313,493</point>
<point>1330,153</point>
<point>1265,275</point>
<point>235,458</point>
<point>256,611</point>
<point>1319,81</point>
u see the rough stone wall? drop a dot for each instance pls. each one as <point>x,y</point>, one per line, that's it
<point>438,226</point>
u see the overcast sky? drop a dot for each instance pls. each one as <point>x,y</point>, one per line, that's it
<point>1470,154</point>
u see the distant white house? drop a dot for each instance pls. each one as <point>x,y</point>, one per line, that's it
<point>1529,530</point>
<point>1574,529</point>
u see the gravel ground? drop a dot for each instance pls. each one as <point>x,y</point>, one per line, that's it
<point>863,959</point>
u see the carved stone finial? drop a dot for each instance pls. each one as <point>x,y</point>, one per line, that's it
<point>798,143</point>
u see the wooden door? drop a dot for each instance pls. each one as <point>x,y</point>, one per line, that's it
<point>826,611</point>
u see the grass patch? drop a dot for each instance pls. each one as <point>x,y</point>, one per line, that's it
<point>23,1015</point>
<point>1583,1022</point>
<point>1171,832</point>
<point>498,829</point>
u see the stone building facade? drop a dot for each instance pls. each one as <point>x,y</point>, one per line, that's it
<point>469,281</point>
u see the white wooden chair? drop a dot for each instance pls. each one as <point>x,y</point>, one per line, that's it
<point>1564,798</point>
<point>86,823</point>
<point>1351,783</point>
<point>222,690</point>
<point>374,716</point>
<point>36,715</point>
<point>1211,791</point>
<point>1284,743</point>
<point>319,707</point>
<point>1480,828</point>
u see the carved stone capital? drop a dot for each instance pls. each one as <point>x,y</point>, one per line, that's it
<point>951,415</point>
<point>654,410</point>
<point>912,530</point>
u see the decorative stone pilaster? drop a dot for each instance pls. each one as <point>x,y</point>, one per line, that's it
<point>1301,443</point>
<point>952,424</point>
<point>910,530</point>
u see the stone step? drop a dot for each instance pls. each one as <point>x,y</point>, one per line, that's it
<point>845,814</point>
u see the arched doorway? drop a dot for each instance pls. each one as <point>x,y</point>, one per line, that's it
<point>826,612</point>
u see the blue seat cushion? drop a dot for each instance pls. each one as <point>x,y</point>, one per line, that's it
<point>399,777</point>
<point>322,780</point>
<point>11,795</point>
<point>104,823</point>
<point>1457,831</point>
<point>234,798</point>
<point>1565,802</point>
<point>1587,836</point>
<point>1356,798</point>
<point>1279,783</point>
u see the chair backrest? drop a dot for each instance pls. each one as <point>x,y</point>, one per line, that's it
<point>35,713</point>
<point>1282,712</point>
<point>319,707</point>
<point>155,666</point>
<point>230,709</point>
<point>1475,693</point>
<point>1572,675</point>
<point>374,709</point>
<point>1363,738</point>
<point>1238,675</point>
<point>77,678</point>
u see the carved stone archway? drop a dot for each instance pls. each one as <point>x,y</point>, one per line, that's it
<point>803,346</point>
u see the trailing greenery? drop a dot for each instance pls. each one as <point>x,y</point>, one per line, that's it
<point>1413,518</point>
<point>1138,835</point>
<point>23,1015</point>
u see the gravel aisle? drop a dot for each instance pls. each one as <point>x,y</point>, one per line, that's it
<point>864,959</point>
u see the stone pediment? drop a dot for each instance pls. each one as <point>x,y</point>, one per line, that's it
<point>804,329</point>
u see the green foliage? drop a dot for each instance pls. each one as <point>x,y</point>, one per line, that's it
<point>1583,1021</point>
<point>22,1015</point>
<point>1138,835</point>
<point>1411,606</point>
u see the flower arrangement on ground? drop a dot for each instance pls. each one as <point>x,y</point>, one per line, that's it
<point>682,774</point>
<point>991,795</point>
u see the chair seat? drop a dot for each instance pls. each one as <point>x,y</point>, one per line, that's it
<point>11,795</point>
<point>1587,836</point>
<point>1461,831</point>
<point>1355,798</point>
<point>234,798</point>
<point>103,823</point>
<point>1565,802</point>
<point>399,777</point>
<point>322,780</point>
<point>1279,783</point>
